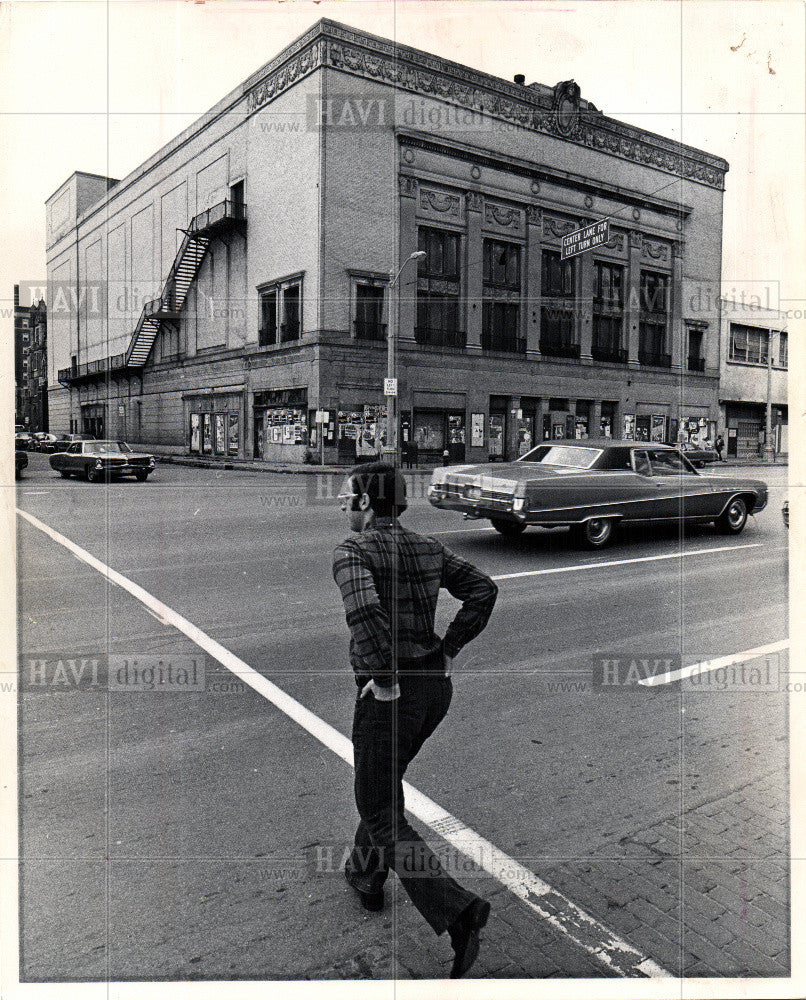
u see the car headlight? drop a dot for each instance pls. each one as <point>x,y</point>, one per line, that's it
<point>519,503</point>
<point>152,462</point>
<point>99,464</point>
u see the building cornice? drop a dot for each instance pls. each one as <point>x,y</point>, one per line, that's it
<point>567,117</point>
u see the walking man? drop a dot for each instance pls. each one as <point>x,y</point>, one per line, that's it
<point>720,444</point>
<point>390,580</point>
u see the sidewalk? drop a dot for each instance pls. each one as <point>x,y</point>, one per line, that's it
<point>719,908</point>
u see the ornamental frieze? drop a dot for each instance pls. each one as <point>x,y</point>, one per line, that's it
<point>557,227</point>
<point>655,250</point>
<point>439,201</point>
<point>377,59</point>
<point>503,216</point>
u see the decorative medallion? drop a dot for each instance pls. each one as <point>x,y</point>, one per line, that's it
<point>535,187</point>
<point>475,173</point>
<point>588,201</point>
<point>636,214</point>
<point>408,155</point>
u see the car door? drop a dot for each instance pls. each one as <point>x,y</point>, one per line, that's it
<point>691,494</point>
<point>649,496</point>
<point>73,460</point>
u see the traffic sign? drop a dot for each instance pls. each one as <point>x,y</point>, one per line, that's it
<point>584,239</point>
<point>390,387</point>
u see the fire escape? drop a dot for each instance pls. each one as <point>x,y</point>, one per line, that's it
<point>216,222</point>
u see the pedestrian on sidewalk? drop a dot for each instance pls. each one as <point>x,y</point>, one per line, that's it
<point>390,580</point>
<point>720,444</point>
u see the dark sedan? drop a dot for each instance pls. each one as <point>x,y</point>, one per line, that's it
<point>591,486</point>
<point>96,460</point>
<point>700,455</point>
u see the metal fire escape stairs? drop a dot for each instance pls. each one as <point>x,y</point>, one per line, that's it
<point>213,222</point>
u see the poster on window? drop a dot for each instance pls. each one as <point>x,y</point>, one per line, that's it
<point>476,430</point>
<point>195,433</point>
<point>233,442</point>
<point>581,427</point>
<point>456,428</point>
<point>629,426</point>
<point>496,435</point>
<point>207,433</point>
<point>220,433</point>
<point>658,427</point>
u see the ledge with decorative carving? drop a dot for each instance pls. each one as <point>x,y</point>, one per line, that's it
<point>335,45</point>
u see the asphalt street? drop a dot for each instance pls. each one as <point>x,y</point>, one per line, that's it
<point>189,834</point>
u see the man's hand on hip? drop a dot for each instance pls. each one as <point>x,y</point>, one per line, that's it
<point>381,692</point>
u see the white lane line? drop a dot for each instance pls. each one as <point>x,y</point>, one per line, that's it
<point>458,531</point>
<point>722,661</point>
<point>625,562</point>
<point>36,493</point>
<point>566,917</point>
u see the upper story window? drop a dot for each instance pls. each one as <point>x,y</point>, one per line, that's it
<point>748,343</point>
<point>653,322</point>
<point>501,311</point>
<point>370,303</point>
<point>783,349</point>
<point>557,276</point>
<point>557,327</point>
<point>438,289</point>
<point>608,312</point>
<point>696,360</point>
<point>280,312</point>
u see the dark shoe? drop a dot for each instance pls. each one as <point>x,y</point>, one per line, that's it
<point>371,899</point>
<point>464,934</point>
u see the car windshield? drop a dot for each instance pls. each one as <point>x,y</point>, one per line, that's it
<point>110,447</point>
<point>565,455</point>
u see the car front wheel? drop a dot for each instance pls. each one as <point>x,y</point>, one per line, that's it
<point>733,518</point>
<point>594,533</point>
<point>509,529</point>
<point>92,475</point>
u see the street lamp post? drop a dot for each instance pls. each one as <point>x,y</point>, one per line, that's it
<point>391,449</point>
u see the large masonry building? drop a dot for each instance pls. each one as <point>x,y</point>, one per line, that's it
<point>237,285</point>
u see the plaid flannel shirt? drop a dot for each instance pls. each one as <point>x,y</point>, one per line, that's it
<point>390,580</point>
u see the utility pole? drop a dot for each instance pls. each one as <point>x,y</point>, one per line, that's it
<point>769,444</point>
<point>391,449</point>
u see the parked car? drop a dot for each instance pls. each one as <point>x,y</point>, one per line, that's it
<point>593,485</point>
<point>20,462</point>
<point>699,455</point>
<point>22,440</point>
<point>96,460</point>
<point>41,440</point>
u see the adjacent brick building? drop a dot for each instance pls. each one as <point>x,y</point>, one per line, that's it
<point>30,364</point>
<point>237,282</point>
<point>755,363</point>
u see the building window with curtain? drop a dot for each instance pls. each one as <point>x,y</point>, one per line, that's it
<point>749,344</point>
<point>783,349</point>
<point>438,284</point>
<point>654,320</point>
<point>557,335</point>
<point>501,297</point>
<point>608,313</point>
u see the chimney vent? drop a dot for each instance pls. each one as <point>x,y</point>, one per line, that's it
<point>520,79</point>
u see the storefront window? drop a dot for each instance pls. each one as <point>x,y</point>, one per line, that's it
<point>497,429</point>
